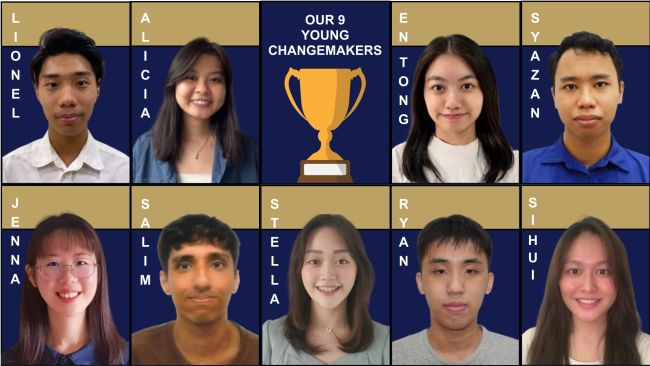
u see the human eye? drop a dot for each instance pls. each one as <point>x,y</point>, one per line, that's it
<point>183,266</point>
<point>342,261</point>
<point>570,87</point>
<point>573,271</point>
<point>83,83</point>
<point>52,264</point>
<point>602,272</point>
<point>218,264</point>
<point>472,271</point>
<point>313,262</point>
<point>50,85</point>
<point>439,271</point>
<point>601,84</point>
<point>437,87</point>
<point>82,262</point>
<point>467,86</point>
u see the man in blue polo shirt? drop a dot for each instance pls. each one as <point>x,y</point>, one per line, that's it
<point>587,88</point>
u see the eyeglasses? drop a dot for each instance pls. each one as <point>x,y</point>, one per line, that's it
<point>54,270</point>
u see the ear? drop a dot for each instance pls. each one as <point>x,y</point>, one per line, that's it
<point>490,283</point>
<point>621,88</point>
<point>31,275</point>
<point>553,95</point>
<point>164,284</point>
<point>36,91</point>
<point>418,280</point>
<point>236,284</point>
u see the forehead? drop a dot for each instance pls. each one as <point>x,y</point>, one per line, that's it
<point>587,247</point>
<point>61,242</point>
<point>207,62</point>
<point>65,63</point>
<point>576,62</point>
<point>326,239</point>
<point>201,249</point>
<point>449,250</point>
<point>449,65</point>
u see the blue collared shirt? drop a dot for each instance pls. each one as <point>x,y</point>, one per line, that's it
<point>84,356</point>
<point>148,169</point>
<point>554,164</point>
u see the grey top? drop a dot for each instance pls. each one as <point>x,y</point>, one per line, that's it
<point>494,349</point>
<point>276,349</point>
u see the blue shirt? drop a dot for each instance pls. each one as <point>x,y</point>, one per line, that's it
<point>84,356</point>
<point>554,164</point>
<point>148,169</point>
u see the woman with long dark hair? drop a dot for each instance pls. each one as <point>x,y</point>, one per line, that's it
<point>65,316</point>
<point>588,315</point>
<point>330,281</point>
<point>456,135</point>
<point>196,136</point>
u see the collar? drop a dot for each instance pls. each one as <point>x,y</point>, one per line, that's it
<point>44,154</point>
<point>84,356</point>
<point>168,169</point>
<point>437,143</point>
<point>558,153</point>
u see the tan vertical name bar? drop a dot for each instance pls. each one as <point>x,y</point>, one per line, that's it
<point>153,207</point>
<point>292,207</point>
<point>416,24</point>
<point>621,207</point>
<point>492,207</point>
<point>103,207</point>
<point>625,23</point>
<point>175,24</point>
<point>106,23</point>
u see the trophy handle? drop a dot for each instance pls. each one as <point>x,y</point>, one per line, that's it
<point>292,72</point>
<point>362,77</point>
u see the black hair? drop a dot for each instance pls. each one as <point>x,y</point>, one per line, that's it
<point>588,42</point>
<point>196,228</point>
<point>494,144</point>
<point>457,230</point>
<point>64,40</point>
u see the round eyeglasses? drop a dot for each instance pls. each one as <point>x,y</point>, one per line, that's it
<point>54,270</point>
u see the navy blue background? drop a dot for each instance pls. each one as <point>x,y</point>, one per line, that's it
<point>636,244</point>
<point>630,127</point>
<point>151,306</point>
<point>376,242</point>
<point>245,70</point>
<point>500,310</point>
<point>505,63</point>
<point>116,248</point>
<point>109,122</point>
<point>363,137</point>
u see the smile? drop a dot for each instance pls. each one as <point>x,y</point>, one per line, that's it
<point>328,290</point>
<point>588,302</point>
<point>201,102</point>
<point>68,295</point>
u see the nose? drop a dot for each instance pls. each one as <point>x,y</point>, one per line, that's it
<point>327,271</point>
<point>586,98</point>
<point>453,100</point>
<point>589,283</point>
<point>456,284</point>
<point>202,278</point>
<point>201,86</point>
<point>67,275</point>
<point>68,98</point>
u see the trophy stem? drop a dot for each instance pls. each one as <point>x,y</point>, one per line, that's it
<point>325,152</point>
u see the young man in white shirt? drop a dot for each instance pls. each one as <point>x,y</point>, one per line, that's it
<point>66,72</point>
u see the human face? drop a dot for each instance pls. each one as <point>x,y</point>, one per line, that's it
<point>454,280</point>
<point>587,284</point>
<point>200,278</point>
<point>69,295</point>
<point>67,90</point>
<point>586,93</point>
<point>453,98</point>
<point>328,271</point>
<point>202,91</point>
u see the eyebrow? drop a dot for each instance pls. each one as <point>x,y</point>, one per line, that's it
<point>445,261</point>
<point>191,258</point>
<point>440,78</point>
<point>211,72</point>
<point>593,77</point>
<point>76,73</point>
<point>321,252</point>
<point>573,261</point>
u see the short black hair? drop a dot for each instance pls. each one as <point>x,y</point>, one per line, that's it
<point>196,228</point>
<point>64,40</point>
<point>588,42</point>
<point>457,230</point>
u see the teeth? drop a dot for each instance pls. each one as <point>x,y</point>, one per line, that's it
<point>587,301</point>
<point>68,295</point>
<point>328,288</point>
<point>200,102</point>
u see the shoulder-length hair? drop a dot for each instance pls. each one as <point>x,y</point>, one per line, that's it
<point>358,318</point>
<point>167,131</point>
<point>496,149</point>
<point>110,348</point>
<point>554,321</point>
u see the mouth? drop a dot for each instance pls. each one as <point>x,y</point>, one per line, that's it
<point>587,120</point>
<point>455,307</point>
<point>587,303</point>
<point>202,299</point>
<point>201,102</point>
<point>453,116</point>
<point>68,296</point>
<point>328,290</point>
<point>68,118</point>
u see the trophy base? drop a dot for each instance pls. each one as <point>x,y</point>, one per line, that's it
<point>325,171</point>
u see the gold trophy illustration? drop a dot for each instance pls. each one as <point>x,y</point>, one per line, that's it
<point>325,98</point>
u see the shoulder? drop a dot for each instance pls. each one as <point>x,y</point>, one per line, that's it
<point>107,149</point>
<point>533,156</point>
<point>143,143</point>
<point>643,345</point>
<point>274,343</point>
<point>501,341</point>
<point>249,352</point>
<point>412,350</point>
<point>381,335</point>
<point>512,175</point>
<point>526,340</point>
<point>639,163</point>
<point>22,153</point>
<point>396,163</point>
<point>10,356</point>
<point>274,328</point>
<point>152,336</point>
<point>408,343</point>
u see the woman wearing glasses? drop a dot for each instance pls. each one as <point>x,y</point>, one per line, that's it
<point>65,317</point>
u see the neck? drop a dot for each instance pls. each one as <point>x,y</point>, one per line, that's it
<point>67,334</point>
<point>328,318</point>
<point>586,342</point>
<point>215,342</point>
<point>68,147</point>
<point>454,345</point>
<point>196,131</point>
<point>588,150</point>
<point>459,139</point>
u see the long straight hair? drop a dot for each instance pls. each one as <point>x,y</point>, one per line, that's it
<point>110,348</point>
<point>494,144</point>
<point>358,317</point>
<point>550,344</point>
<point>167,131</point>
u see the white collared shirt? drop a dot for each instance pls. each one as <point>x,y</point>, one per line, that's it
<point>38,162</point>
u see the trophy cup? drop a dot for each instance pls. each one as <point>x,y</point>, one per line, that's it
<point>325,97</point>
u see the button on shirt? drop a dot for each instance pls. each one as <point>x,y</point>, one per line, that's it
<point>38,162</point>
<point>554,164</point>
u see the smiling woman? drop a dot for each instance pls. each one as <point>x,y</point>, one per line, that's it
<point>330,281</point>
<point>65,315</point>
